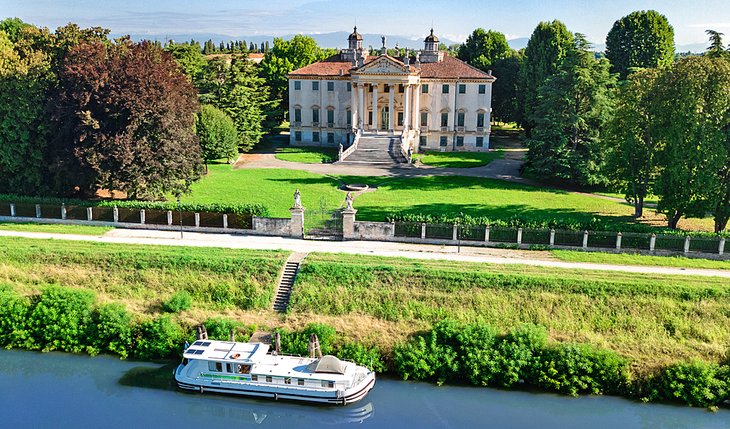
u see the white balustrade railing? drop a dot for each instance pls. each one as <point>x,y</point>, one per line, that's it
<point>353,147</point>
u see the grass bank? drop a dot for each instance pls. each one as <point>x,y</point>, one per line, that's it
<point>459,159</point>
<point>55,229</point>
<point>637,259</point>
<point>307,155</point>
<point>654,320</point>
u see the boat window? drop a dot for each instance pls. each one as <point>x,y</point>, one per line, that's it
<point>243,369</point>
<point>229,367</point>
<point>287,380</point>
<point>254,377</point>
<point>268,379</point>
<point>300,382</point>
<point>329,384</point>
<point>215,366</point>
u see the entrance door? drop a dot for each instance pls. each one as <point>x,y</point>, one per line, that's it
<point>384,118</point>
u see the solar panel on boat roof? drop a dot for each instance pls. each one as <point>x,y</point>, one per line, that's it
<point>205,343</point>
<point>199,352</point>
<point>197,343</point>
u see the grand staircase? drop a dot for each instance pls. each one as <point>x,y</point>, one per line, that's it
<point>378,150</point>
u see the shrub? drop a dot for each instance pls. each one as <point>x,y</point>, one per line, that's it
<point>14,320</point>
<point>580,368</point>
<point>696,384</point>
<point>361,355</point>
<point>430,356</point>
<point>219,328</point>
<point>179,301</point>
<point>479,363</point>
<point>112,329</point>
<point>157,339</point>
<point>61,319</point>
<point>296,343</point>
<point>518,353</point>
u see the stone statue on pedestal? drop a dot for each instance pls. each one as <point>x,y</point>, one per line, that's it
<point>297,199</point>
<point>348,201</point>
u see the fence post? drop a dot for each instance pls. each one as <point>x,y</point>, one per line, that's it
<point>63,211</point>
<point>686,244</point>
<point>38,211</point>
<point>519,236</point>
<point>12,209</point>
<point>618,241</point>
<point>585,239</point>
<point>652,242</point>
<point>552,237</point>
<point>721,246</point>
<point>423,231</point>
<point>486,233</point>
<point>169,218</point>
<point>89,214</point>
<point>225,221</point>
<point>455,232</point>
<point>141,217</point>
<point>115,213</point>
<point>197,220</point>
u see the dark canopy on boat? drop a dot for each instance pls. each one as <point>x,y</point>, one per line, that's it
<point>327,364</point>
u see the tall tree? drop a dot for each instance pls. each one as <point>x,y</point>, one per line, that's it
<point>572,109</point>
<point>13,27</point>
<point>694,121</point>
<point>125,118</point>
<point>505,103</point>
<point>190,59</point>
<point>641,39</point>
<point>631,143</point>
<point>716,48</point>
<point>482,48</point>
<point>217,133</point>
<point>548,46</point>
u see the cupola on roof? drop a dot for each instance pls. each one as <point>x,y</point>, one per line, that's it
<point>355,35</point>
<point>431,37</point>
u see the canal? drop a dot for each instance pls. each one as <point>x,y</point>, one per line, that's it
<point>41,390</point>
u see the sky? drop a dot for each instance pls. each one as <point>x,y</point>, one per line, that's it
<point>452,19</point>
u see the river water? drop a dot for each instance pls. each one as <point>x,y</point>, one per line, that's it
<point>56,390</point>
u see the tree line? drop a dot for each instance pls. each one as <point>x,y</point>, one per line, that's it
<point>634,120</point>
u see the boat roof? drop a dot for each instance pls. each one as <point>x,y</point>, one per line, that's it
<point>226,351</point>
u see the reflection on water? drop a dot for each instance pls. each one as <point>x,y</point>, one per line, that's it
<point>68,391</point>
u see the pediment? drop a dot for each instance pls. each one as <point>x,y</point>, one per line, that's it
<point>383,65</point>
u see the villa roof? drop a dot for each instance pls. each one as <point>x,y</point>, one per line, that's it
<point>449,68</point>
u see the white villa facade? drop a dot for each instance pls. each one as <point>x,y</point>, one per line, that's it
<point>431,101</point>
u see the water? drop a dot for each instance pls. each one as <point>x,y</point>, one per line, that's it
<point>56,390</point>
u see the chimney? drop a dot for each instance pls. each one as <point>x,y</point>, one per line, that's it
<point>489,72</point>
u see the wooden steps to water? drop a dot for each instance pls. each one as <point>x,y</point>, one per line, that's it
<point>286,282</point>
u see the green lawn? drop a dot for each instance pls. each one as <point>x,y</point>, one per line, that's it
<point>636,259</point>
<point>54,228</point>
<point>308,155</point>
<point>459,159</point>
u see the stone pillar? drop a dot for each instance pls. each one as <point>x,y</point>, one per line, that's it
<point>423,231</point>
<point>618,241</point>
<point>225,221</point>
<point>353,106</point>
<point>115,214</point>
<point>297,222</point>
<point>686,244</point>
<point>391,107</point>
<point>89,214</point>
<point>360,106</point>
<point>721,247</point>
<point>552,237</point>
<point>169,217</point>
<point>12,209</point>
<point>375,107</point>
<point>38,211</point>
<point>416,119</point>
<point>486,233</point>
<point>348,223</point>
<point>197,220</point>
<point>652,242</point>
<point>519,236</point>
<point>63,211</point>
<point>141,217</point>
<point>455,232</point>
<point>406,107</point>
<point>585,239</point>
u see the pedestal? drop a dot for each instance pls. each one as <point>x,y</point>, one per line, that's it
<point>348,224</point>
<point>297,222</point>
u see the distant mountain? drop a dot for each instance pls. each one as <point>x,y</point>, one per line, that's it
<point>326,40</point>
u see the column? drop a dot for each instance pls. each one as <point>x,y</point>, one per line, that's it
<point>353,106</point>
<point>375,107</point>
<point>406,107</point>
<point>416,120</point>
<point>391,107</point>
<point>360,106</point>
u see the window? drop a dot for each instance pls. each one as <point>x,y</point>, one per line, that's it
<point>460,119</point>
<point>269,379</point>
<point>315,85</point>
<point>297,115</point>
<point>330,137</point>
<point>462,89</point>
<point>329,384</point>
<point>315,116</point>
<point>480,141</point>
<point>297,85</point>
<point>297,136</point>
<point>315,136</point>
<point>400,119</point>
<point>422,141</point>
<point>370,117</point>
<point>424,119</point>
<point>482,89</point>
<point>300,381</point>
<point>370,88</point>
<point>443,141</point>
<point>480,120</point>
<point>254,377</point>
<point>424,88</point>
<point>229,367</point>
<point>349,87</point>
<point>243,369</point>
<point>330,86</point>
<point>215,366</point>
<point>348,113</point>
<point>287,380</point>
<point>330,116</point>
<point>401,88</point>
<point>386,88</point>
<point>444,89</point>
<point>460,141</point>
<point>445,119</point>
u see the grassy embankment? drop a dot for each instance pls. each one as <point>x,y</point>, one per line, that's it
<point>55,229</point>
<point>636,259</point>
<point>450,195</point>
<point>459,159</point>
<point>307,155</point>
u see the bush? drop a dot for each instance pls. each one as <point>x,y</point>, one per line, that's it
<point>363,356</point>
<point>430,356</point>
<point>696,384</point>
<point>179,301</point>
<point>61,319</point>
<point>297,343</point>
<point>157,339</point>
<point>14,320</point>
<point>112,330</point>
<point>219,328</point>
<point>518,353</point>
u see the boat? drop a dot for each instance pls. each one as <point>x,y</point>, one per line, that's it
<point>249,369</point>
